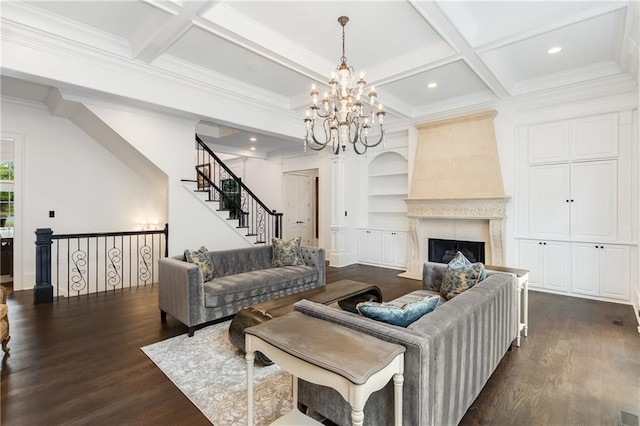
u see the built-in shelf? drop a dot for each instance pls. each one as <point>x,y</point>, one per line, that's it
<point>387,188</point>
<point>385,174</point>
<point>389,193</point>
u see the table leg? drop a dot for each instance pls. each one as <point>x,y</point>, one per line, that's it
<point>357,416</point>
<point>526,307</point>
<point>519,311</point>
<point>398,380</point>
<point>250,358</point>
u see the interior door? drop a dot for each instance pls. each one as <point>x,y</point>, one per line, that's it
<point>298,214</point>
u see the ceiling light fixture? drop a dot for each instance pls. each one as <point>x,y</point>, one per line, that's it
<point>432,85</point>
<point>342,113</point>
<point>554,49</point>
<point>253,139</point>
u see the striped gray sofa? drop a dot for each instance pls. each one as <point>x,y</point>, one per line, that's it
<point>243,277</point>
<point>450,353</point>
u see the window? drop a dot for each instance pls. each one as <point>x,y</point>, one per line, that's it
<point>6,194</point>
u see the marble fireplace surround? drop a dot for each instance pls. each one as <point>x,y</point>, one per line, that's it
<point>487,212</point>
<point>456,189</point>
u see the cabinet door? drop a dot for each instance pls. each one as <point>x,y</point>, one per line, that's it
<point>388,247</point>
<point>549,143</point>
<point>531,259</point>
<point>549,201</point>
<point>585,277</point>
<point>594,137</point>
<point>557,265</point>
<point>394,248</point>
<point>614,271</point>
<point>364,244</point>
<point>374,247</point>
<point>594,210</point>
<point>401,249</point>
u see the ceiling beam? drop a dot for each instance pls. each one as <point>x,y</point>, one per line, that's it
<point>431,13</point>
<point>169,24</point>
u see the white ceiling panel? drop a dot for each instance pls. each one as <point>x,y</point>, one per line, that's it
<point>483,22</point>
<point>583,44</point>
<point>376,32</point>
<point>221,56</point>
<point>453,80</point>
<point>120,18</point>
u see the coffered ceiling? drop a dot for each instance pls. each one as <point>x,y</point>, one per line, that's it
<point>270,52</point>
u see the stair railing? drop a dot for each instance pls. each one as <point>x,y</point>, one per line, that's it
<point>222,185</point>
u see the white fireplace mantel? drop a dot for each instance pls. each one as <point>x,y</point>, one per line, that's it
<point>489,208</point>
<point>492,209</point>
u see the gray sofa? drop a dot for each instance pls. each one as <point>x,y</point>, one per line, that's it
<point>242,277</point>
<point>450,353</point>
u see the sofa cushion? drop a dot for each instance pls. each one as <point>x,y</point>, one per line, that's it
<point>400,316</point>
<point>287,253</point>
<point>460,276</point>
<point>232,288</point>
<point>201,258</point>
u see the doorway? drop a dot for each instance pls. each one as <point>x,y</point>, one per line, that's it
<point>301,206</point>
<point>7,210</point>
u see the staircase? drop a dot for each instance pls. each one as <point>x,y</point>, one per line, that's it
<point>234,200</point>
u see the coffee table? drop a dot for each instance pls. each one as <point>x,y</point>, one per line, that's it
<point>346,292</point>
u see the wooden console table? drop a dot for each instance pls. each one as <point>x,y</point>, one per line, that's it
<point>353,363</point>
<point>522,284</point>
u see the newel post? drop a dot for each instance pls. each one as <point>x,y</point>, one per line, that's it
<point>43,290</point>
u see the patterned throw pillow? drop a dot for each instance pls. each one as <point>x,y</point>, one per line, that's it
<point>460,276</point>
<point>287,253</point>
<point>400,316</point>
<point>201,258</point>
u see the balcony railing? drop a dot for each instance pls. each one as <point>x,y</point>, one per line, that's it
<point>72,265</point>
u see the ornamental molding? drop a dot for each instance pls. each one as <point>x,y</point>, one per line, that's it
<point>458,208</point>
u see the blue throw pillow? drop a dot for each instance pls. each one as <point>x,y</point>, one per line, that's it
<point>400,316</point>
<point>460,276</point>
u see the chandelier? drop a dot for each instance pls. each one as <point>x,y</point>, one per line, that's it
<point>341,115</point>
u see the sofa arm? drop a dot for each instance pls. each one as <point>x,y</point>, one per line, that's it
<point>315,257</point>
<point>181,291</point>
<point>432,273</point>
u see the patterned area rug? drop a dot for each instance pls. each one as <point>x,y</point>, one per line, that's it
<point>211,372</point>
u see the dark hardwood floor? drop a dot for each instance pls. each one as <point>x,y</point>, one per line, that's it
<point>79,362</point>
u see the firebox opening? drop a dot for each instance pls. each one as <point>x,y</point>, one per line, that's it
<point>442,251</point>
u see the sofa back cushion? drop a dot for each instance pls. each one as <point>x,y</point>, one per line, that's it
<point>237,261</point>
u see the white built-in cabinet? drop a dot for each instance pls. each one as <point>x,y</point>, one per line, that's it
<point>383,239</point>
<point>575,205</point>
<point>601,270</point>
<point>548,262</point>
<point>382,247</point>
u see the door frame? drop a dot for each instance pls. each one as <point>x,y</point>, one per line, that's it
<point>313,205</point>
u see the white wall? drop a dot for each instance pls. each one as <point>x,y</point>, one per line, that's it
<point>169,142</point>
<point>65,170</point>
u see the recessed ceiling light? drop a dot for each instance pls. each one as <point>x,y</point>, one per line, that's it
<point>554,49</point>
<point>253,139</point>
<point>432,85</point>
<point>253,148</point>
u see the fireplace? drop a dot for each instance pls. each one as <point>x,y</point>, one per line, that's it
<point>443,251</point>
<point>456,190</point>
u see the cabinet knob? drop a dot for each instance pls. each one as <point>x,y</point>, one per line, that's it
<point>572,201</point>
<point>540,242</point>
<point>567,201</point>
<point>544,244</point>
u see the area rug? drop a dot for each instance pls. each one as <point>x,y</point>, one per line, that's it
<point>211,372</point>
